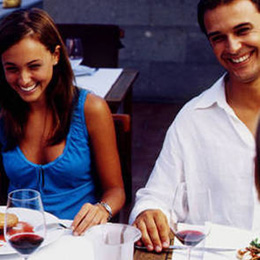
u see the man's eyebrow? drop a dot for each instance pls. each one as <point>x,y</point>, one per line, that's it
<point>209,35</point>
<point>242,25</point>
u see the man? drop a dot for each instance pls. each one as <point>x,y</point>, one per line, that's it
<point>211,142</point>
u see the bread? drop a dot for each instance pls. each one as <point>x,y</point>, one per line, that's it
<point>11,221</point>
<point>11,3</point>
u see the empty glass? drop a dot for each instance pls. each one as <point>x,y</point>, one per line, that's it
<point>75,51</point>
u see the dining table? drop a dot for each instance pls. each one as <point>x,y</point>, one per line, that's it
<point>221,244</point>
<point>147,255</point>
<point>115,85</point>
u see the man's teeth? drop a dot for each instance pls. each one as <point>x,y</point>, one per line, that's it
<point>28,88</point>
<point>241,59</point>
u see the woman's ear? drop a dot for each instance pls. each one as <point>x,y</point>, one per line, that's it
<point>56,55</point>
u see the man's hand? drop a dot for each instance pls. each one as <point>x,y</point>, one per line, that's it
<point>155,230</point>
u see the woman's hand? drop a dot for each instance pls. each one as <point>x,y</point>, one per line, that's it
<point>155,230</point>
<point>88,216</point>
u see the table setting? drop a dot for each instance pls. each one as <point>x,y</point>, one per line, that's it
<point>27,232</point>
<point>31,233</point>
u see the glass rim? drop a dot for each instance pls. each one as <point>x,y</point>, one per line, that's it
<point>32,191</point>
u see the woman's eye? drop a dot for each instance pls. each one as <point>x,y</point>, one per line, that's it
<point>35,66</point>
<point>11,69</point>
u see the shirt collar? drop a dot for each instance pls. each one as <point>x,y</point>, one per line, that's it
<point>214,95</point>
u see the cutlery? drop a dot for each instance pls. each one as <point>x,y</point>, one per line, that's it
<point>175,247</point>
<point>56,225</point>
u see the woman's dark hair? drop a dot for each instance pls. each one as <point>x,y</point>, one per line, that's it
<point>205,5</point>
<point>60,92</point>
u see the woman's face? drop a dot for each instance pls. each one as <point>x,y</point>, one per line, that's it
<point>28,68</point>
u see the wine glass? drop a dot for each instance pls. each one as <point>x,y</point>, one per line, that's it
<point>75,51</point>
<point>24,226</point>
<point>192,224</point>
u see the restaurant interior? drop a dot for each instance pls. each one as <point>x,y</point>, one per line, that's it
<point>164,57</point>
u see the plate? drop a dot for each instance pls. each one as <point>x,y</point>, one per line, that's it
<point>84,70</point>
<point>51,235</point>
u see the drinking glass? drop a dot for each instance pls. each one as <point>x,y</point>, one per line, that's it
<point>75,51</point>
<point>192,225</point>
<point>27,232</point>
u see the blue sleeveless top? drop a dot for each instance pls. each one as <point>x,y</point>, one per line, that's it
<point>67,182</point>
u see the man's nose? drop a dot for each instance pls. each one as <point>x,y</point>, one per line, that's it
<point>233,44</point>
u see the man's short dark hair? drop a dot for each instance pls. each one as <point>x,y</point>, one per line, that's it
<point>205,5</point>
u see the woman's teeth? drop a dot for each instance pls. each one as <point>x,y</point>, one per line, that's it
<point>28,88</point>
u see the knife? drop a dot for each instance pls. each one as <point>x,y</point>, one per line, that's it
<point>176,247</point>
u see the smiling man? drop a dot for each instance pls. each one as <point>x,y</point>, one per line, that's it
<point>211,142</point>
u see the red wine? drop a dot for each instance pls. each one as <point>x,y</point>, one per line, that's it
<point>25,243</point>
<point>190,237</point>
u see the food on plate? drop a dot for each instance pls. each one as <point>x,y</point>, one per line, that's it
<point>11,222</point>
<point>252,252</point>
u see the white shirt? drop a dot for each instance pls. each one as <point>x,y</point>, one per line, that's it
<point>208,146</point>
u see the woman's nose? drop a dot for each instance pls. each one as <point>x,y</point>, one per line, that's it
<point>24,78</point>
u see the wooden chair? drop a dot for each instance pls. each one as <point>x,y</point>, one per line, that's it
<point>101,42</point>
<point>123,134</point>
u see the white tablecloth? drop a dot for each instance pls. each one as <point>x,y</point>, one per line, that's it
<point>67,247</point>
<point>220,237</point>
<point>100,82</point>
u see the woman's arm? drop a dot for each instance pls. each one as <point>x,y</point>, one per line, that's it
<point>101,130</point>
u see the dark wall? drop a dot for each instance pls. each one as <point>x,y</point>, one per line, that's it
<point>162,40</point>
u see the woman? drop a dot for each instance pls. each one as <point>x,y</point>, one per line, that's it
<point>50,129</point>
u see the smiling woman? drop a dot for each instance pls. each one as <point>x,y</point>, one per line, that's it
<point>51,132</point>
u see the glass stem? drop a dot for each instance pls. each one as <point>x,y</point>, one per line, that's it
<point>188,253</point>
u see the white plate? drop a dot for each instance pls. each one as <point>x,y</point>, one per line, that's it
<point>83,70</point>
<point>51,235</point>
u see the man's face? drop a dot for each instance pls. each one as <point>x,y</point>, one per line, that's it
<point>234,33</point>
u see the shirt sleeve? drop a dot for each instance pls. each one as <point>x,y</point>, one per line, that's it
<point>167,173</point>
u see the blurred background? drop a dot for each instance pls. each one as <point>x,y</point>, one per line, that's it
<point>162,41</point>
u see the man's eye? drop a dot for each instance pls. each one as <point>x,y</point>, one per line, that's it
<point>216,39</point>
<point>243,31</point>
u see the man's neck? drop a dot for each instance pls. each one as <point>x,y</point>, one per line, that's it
<point>244,98</point>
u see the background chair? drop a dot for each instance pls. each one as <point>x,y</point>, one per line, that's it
<point>101,42</point>
<point>123,131</point>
